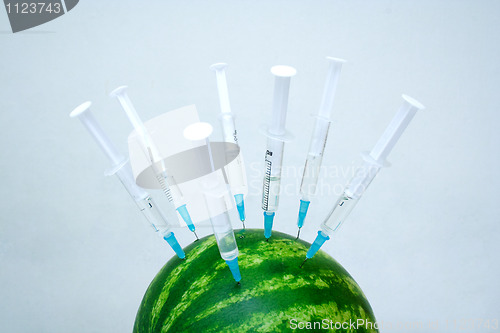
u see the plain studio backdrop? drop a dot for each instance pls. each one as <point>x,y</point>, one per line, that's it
<point>75,253</point>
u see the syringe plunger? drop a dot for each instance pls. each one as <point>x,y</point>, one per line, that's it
<point>83,113</point>
<point>120,165</point>
<point>395,129</point>
<point>121,94</point>
<point>332,79</point>
<point>282,74</point>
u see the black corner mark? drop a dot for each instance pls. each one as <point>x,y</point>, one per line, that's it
<point>70,4</point>
<point>26,14</point>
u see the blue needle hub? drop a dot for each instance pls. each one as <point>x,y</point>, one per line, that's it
<point>318,242</point>
<point>240,205</point>
<point>304,206</point>
<point>268,223</point>
<point>174,244</point>
<point>235,269</point>
<point>186,217</point>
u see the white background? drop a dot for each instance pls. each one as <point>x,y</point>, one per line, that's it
<point>75,255</point>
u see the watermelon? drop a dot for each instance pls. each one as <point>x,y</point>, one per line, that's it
<point>198,294</point>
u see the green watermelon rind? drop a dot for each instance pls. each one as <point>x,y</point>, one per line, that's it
<point>180,300</point>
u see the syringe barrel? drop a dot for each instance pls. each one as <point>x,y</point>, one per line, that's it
<point>169,186</point>
<point>282,75</point>
<point>274,155</point>
<point>225,236</point>
<point>272,178</point>
<point>221,224</point>
<point>229,128</point>
<point>157,218</point>
<point>395,129</point>
<point>348,200</point>
<point>124,173</point>
<point>338,214</point>
<point>310,176</point>
<point>84,114</point>
<point>332,78</point>
<point>314,157</point>
<point>235,172</point>
<point>362,179</point>
<point>154,216</point>
<point>319,137</point>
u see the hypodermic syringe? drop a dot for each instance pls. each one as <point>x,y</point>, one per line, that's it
<point>318,140</point>
<point>364,175</point>
<point>215,192</point>
<point>235,169</point>
<point>121,168</point>
<point>166,180</point>
<point>276,138</point>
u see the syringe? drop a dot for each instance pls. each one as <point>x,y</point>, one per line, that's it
<point>214,192</point>
<point>235,170</point>
<point>318,140</point>
<point>276,137</point>
<point>373,162</point>
<point>166,180</point>
<point>121,169</point>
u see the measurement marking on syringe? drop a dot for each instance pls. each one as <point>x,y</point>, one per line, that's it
<point>267,182</point>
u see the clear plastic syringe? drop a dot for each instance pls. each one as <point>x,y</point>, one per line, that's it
<point>235,170</point>
<point>373,162</point>
<point>166,180</point>
<point>318,140</point>
<point>215,192</point>
<point>276,138</point>
<point>121,169</point>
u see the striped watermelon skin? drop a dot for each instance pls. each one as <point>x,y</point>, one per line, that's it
<point>198,294</point>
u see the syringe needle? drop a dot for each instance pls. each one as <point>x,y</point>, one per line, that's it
<point>303,263</point>
<point>243,224</point>
<point>298,234</point>
<point>194,232</point>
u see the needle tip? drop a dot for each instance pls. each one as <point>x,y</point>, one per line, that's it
<point>194,232</point>
<point>298,234</point>
<point>303,263</point>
